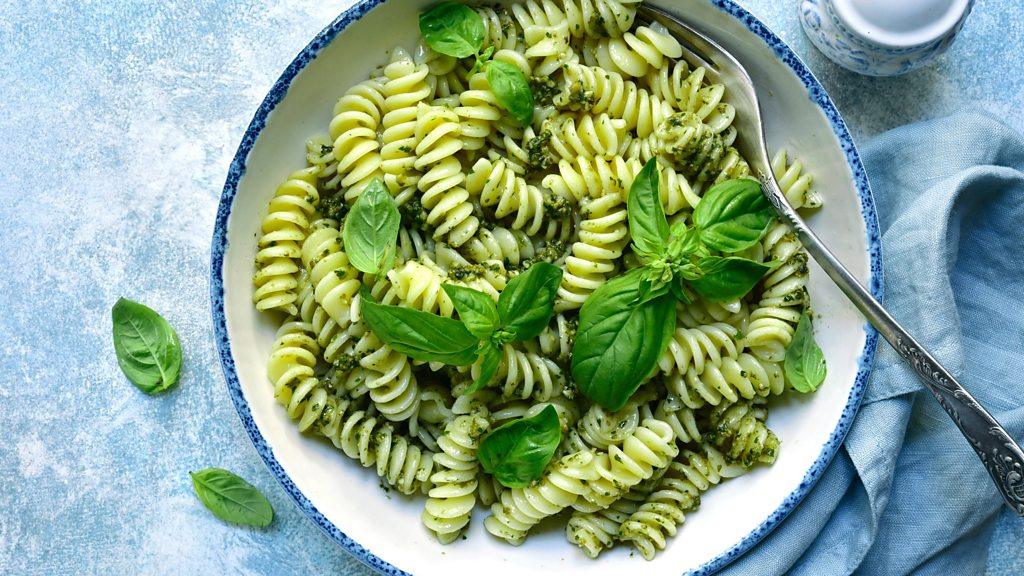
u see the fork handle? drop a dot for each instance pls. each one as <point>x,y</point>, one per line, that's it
<point>1001,456</point>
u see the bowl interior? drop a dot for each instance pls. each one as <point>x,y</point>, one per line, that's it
<point>348,501</point>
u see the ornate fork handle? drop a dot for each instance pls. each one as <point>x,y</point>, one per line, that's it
<point>1002,457</point>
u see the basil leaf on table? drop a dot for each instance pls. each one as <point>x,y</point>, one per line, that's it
<point>733,215</point>
<point>420,335</point>
<point>477,310</point>
<point>647,223</point>
<point>231,498</point>
<point>527,302</point>
<point>371,229</point>
<point>489,361</point>
<point>729,278</point>
<point>518,452</point>
<point>805,362</point>
<point>147,347</point>
<point>618,342</point>
<point>512,90</point>
<point>453,29</point>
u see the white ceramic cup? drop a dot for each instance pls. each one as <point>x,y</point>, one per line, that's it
<point>883,37</point>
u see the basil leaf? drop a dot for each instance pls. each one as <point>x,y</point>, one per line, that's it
<point>518,452</point>
<point>371,229</point>
<point>453,29</point>
<point>653,284</point>
<point>647,223</point>
<point>733,215</point>
<point>527,302</point>
<point>421,335</point>
<point>489,361</point>
<point>476,310</point>
<point>618,342</point>
<point>512,90</point>
<point>728,278</point>
<point>231,498</point>
<point>805,362</point>
<point>147,347</point>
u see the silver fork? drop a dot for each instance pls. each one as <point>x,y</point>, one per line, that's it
<point>1001,456</point>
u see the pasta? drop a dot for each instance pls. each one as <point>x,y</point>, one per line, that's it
<point>481,199</point>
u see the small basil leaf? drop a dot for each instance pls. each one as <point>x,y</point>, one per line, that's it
<point>476,310</point>
<point>805,362</point>
<point>231,498</point>
<point>147,347</point>
<point>733,215</point>
<point>728,278</point>
<point>371,229</point>
<point>684,241</point>
<point>618,342</point>
<point>647,223</point>
<point>653,284</point>
<point>421,335</point>
<point>489,361</point>
<point>527,302</point>
<point>518,452</point>
<point>453,29</point>
<point>679,292</point>
<point>512,90</point>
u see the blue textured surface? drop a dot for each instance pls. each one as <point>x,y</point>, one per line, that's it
<point>119,123</point>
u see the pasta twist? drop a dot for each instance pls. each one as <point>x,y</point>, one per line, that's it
<point>478,112</point>
<point>501,30</point>
<point>405,87</point>
<point>525,374</point>
<point>651,447</point>
<point>353,130</point>
<point>453,495</point>
<point>680,417</point>
<point>284,228</point>
<point>597,531</point>
<point>593,177</point>
<point>335,282</point>
<point>783,296</point>
<point>677,492</point>
<point>603,235</point>
<point>599,18</point>
<point>512,247</point>
<point>496,185</point>
<point>556,341</point>
<point>520,509</point>
<point>546,35</point>
<point>449,211</point>
<point>586,136</point>
<point>794,182</point>
<point>600,90</point>
<point>740,432</point>
<point>699,153</point>
<point>363,437</point>
<point>694,347</point>
<point>634,54</point>
<point>389,379</point>
<point>745,376</point>
<point>686,91</point>
<point>291,369</point>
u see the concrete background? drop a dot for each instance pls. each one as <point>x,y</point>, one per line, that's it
<point>117,124</point>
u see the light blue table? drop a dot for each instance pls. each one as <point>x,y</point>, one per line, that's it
<point>117,124</point>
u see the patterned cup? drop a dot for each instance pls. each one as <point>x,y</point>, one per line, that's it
<point>883,37</point>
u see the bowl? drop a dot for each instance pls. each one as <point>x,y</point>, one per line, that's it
<point>384,530</point>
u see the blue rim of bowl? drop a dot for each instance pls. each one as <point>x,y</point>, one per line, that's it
<point>815,92</point>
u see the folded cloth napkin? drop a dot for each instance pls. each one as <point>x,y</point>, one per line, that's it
<point>906,494</point>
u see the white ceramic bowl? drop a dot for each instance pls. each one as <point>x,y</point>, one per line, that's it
<point>384,530</point>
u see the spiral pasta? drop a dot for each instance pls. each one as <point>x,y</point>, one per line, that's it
<point>677,492</point>
<point>520,509</point>
<point>405,87</point>
<point>284,228</point>
<point>586,136</point>
<point>598,90</point>
<point>745,376</point>
<point>603,235</point>
<point>740,432</point>
<point>597,531</point>
<point>686,91</point>
<point>447,202</point>
<point>353,131</point>
<point>497,186</point>
<point>453,494</point>
<point>633,54</point>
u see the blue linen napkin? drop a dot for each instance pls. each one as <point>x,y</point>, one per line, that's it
<point>906,494</point>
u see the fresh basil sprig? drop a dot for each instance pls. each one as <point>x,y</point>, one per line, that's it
<point>517,453</point>
<point>620,339</point>
<point>626,324</point>
<point>512,89</point>
<point>805,362</point>
<point>147,347</point>
<point>523,310</point>
<point>371,229</point>
<point>231,498</point>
